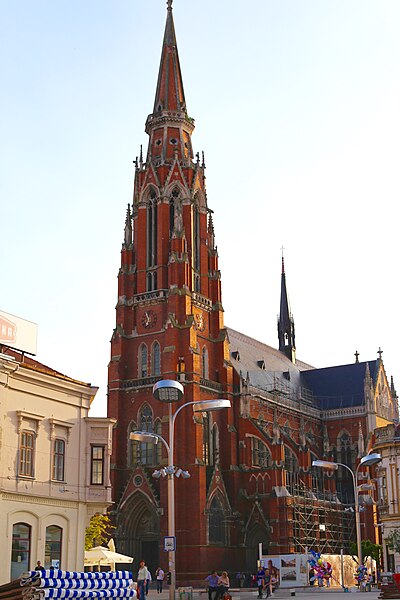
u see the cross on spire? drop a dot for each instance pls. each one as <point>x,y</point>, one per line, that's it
<point>380,352</point>
<point>357,354</point>
<point>169,4</point>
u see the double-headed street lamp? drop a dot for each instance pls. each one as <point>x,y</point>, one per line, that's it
<point>365,461</point>
<point>171,391</point>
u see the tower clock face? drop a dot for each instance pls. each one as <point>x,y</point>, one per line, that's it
<point>199,322</point>
<point>149,319</point>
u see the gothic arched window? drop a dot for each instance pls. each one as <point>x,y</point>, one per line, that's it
<point>261,456</point>
<point>151,278</point>
<point>317,477</point>
<point>172,208</point>
<point>146,453</point>
<point>216,523</point>
<point>292,470</point>
<point>196,238</point>
<point>344,447</point>
<point>215,444</point>
<point>159,446</point>
<point>344,453</point>
<point>206,438</point>
<point>155,359</point>
<point>152,230</point>
<point>143,369</point>
<point>204,363</point>
<point>132,447</point>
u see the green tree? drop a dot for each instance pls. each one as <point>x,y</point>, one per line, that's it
<point>97,533</point>
<point>368,548</point>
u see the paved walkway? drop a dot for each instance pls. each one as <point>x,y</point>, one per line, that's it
<point>314,593</point>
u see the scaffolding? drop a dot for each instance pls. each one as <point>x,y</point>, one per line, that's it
<point>320,521</point>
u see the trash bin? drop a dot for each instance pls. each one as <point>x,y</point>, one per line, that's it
<point>185,593</point>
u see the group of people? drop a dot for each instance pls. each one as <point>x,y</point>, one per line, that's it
<point>217,585</point>
<point>144,578</point>
<point>267,580</point>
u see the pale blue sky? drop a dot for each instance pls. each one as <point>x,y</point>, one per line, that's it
<point>297,109</point>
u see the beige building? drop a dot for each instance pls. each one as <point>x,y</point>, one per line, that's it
<point>387,442</point>
<point>54,466</point>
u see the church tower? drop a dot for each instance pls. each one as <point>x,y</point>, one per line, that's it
<point>285,322</point>
<point>169,325</point>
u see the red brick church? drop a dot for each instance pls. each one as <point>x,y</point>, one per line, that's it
<point>251,477</point>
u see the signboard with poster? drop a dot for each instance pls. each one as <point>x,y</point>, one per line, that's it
<point>18,333</point>
<point>290,570</point>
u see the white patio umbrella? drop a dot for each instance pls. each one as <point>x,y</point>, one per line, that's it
<point>100,555</point>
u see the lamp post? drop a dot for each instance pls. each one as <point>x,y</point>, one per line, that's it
<point>171,391</point>
<point>365,461</point>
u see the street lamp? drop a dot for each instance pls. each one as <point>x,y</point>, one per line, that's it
<point>170,391</point>
<point>365,461</point>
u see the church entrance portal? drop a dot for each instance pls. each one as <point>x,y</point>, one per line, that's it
<point>138,532</point>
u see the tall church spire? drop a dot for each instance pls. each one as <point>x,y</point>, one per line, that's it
<point>285,321</point>
<point>169,125</point>
<point>169,93</point>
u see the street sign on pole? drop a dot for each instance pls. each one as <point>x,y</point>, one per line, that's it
<point>169,543</point>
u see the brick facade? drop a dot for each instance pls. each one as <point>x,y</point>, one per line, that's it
<point>251,478</point>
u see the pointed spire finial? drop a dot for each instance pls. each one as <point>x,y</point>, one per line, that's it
<point>283,261</point>
<point>128,228</point>
<point>141,156</point>
<point>169,4</point>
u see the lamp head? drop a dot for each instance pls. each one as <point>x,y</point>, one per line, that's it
<point>370,459</point>
<point>168,390</point>
<point>208,405</point>
<point>325,464</point>
<point>144,437</point>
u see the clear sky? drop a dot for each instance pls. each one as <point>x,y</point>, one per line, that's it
<point>297,109</point>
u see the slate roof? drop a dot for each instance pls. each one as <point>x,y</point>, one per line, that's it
<point>270,370</point>
<point>339,387</point>
<point>277,372</point>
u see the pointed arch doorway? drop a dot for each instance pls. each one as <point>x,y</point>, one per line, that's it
<point>138,531</point>
<point>256,535</point>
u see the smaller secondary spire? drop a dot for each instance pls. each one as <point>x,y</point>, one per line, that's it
<point>286,334</point>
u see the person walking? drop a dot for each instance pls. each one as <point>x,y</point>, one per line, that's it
<point>159,579</point>
<point>211,584</point>
<point>141,580</point>
<point>148,579</point>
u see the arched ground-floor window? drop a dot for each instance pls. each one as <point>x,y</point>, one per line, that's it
<point>52,557</point>
<point>20,550</point>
